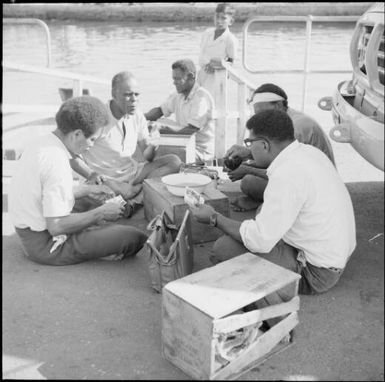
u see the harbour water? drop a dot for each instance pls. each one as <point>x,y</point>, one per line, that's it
<point>102,49</point>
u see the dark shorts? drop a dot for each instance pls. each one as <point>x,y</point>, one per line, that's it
<point>314,279</point>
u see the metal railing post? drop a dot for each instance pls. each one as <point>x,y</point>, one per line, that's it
<point>11,20</point>
<point>221,102</point>
<point>306,60</point>
<point>77,87</point>
<point>241,122</point>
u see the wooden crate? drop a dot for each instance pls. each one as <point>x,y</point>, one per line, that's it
<point>157,198</point>
<point>200,309</point>
<point>181,145</point>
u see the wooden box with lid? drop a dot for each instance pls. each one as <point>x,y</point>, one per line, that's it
<point>205,330</point>
<point>156,198</point>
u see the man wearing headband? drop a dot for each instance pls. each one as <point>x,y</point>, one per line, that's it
<point>306,130</point>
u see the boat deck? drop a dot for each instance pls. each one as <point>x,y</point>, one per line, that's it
<point>101,320</point>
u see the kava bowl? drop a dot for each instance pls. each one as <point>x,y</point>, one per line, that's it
<point>176,183</point>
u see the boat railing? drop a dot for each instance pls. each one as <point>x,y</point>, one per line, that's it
<point>308,20</point>
<point>245,86</point>
<point>78,81</point>
<point>224,137</point>
<point>11,20</point>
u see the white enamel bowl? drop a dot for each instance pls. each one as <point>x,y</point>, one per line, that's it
<point>176,183</point>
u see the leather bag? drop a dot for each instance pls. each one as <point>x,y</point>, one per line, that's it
<point>170,250</point>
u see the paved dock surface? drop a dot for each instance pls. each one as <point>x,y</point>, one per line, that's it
<point>100,320</point>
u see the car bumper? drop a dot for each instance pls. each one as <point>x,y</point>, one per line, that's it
<point>351,126</point>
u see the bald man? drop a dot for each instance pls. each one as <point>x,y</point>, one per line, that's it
<point>110,161</point>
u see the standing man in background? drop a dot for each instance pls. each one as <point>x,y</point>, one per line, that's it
<point>217,44</point>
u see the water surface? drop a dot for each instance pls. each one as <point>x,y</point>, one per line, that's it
<point>102,49</point>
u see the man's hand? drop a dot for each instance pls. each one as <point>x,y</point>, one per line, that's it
<point>239,172</point>
<point>208,68</point>
<point>154,138</point>
<point>202,213</point>
<point>100,192</point>
<point>238,151</point>
<point>96,178</point>
<point>167,130</point>
<point>112,211</point>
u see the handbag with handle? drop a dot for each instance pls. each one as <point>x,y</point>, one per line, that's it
<point>170,250</point>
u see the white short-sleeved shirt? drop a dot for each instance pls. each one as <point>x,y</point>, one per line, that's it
<point>307,205</point>
<point>198,110</point>
<point>111,155</point>
<point>225,46</point>
<point>42,185</point>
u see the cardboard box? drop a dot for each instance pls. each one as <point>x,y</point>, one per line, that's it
<point>181,145</point>
<point>157,198</point>
<point>201,309</point>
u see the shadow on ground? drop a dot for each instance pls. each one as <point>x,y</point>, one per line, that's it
<point>100,320</point>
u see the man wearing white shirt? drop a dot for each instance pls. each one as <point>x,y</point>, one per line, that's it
<point>110,161</point>
<point>43,195</point>
<point>193,107</point>
<point>217,44</point>
<point>306,222</point>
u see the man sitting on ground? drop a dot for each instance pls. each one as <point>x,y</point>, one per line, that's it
<point>110,161</point>
<point>43,195</point>
<point>306,130</point>
<point>306,222</point>
<point>193,107</point>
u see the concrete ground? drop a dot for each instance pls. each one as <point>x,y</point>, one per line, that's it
<point>100,320</point>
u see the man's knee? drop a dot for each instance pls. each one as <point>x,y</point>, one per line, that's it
<point>226,248</point>
<point>220,244</point>
<point>253,186</point>
<point>248,183</point>
<point>172,161</point>
<point>135,240</point>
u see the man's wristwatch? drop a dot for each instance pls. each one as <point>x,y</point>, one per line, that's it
<point>213,220</point>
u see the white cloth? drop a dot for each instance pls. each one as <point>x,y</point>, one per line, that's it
<point>42,185</point>
<point>111,155</point>
<point>198,110</point>
<point>225,46</point>
<point>308,206</point>
<point>266,97</point>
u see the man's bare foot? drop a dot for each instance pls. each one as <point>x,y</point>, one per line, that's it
<point>127,190</point>
<point>130,208</point>
<point>244,203</point>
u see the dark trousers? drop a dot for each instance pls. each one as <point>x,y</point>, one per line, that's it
<point>89,244</point>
